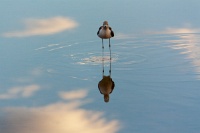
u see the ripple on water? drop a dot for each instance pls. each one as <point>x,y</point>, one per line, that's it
<point>143,55</point>
<point>93,58</point>
<point>121,53</point>
<point>128,61</point>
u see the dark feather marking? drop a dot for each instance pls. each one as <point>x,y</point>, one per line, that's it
<point>99,30</point>
<point>99,89</point>
<point>112,33</point>
<point>113,86</point>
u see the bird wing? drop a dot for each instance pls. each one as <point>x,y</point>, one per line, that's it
<point>99,30</point>
<point>112,33</point>
<point>113,86</point>
<point>99,88</point>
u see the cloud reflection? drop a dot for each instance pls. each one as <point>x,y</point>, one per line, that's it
<point>188,42</point>
<point>43,27</point>
<point>175,30</point>
<point>58,117</point>
<point>73,94</point>
<point>21,91</point>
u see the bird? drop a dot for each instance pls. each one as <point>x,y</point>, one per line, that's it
<point>105,32</point>
<point>106,86</point>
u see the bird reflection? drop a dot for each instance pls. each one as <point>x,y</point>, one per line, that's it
<point>106,85</point>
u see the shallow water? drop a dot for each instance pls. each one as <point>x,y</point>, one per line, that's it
<point>49,82</point>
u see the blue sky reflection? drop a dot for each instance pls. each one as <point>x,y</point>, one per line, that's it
<point>48,50</point>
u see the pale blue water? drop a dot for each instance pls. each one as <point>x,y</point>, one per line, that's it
<point>49,82</point>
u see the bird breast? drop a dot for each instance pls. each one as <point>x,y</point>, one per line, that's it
<point>105,33</point>
<point>105,86</point>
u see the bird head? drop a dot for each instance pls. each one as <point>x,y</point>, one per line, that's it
<point>105,24</point>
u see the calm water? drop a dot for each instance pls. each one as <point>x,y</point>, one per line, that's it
<point>51,64</point>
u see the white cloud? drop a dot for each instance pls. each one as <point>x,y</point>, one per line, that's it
<point>43,27</point>
<point>56,118</point>
<point>73,94</point>
<point>16,92</point>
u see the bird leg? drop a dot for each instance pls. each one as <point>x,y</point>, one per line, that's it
<point>102,58</point>
<point>102,44</point>
<point>110,57</point>
<point>109,42</point>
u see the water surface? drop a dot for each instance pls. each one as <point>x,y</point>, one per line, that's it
<point>51,64</point>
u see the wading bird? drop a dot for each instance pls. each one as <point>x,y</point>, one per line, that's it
<point>105,32</point>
